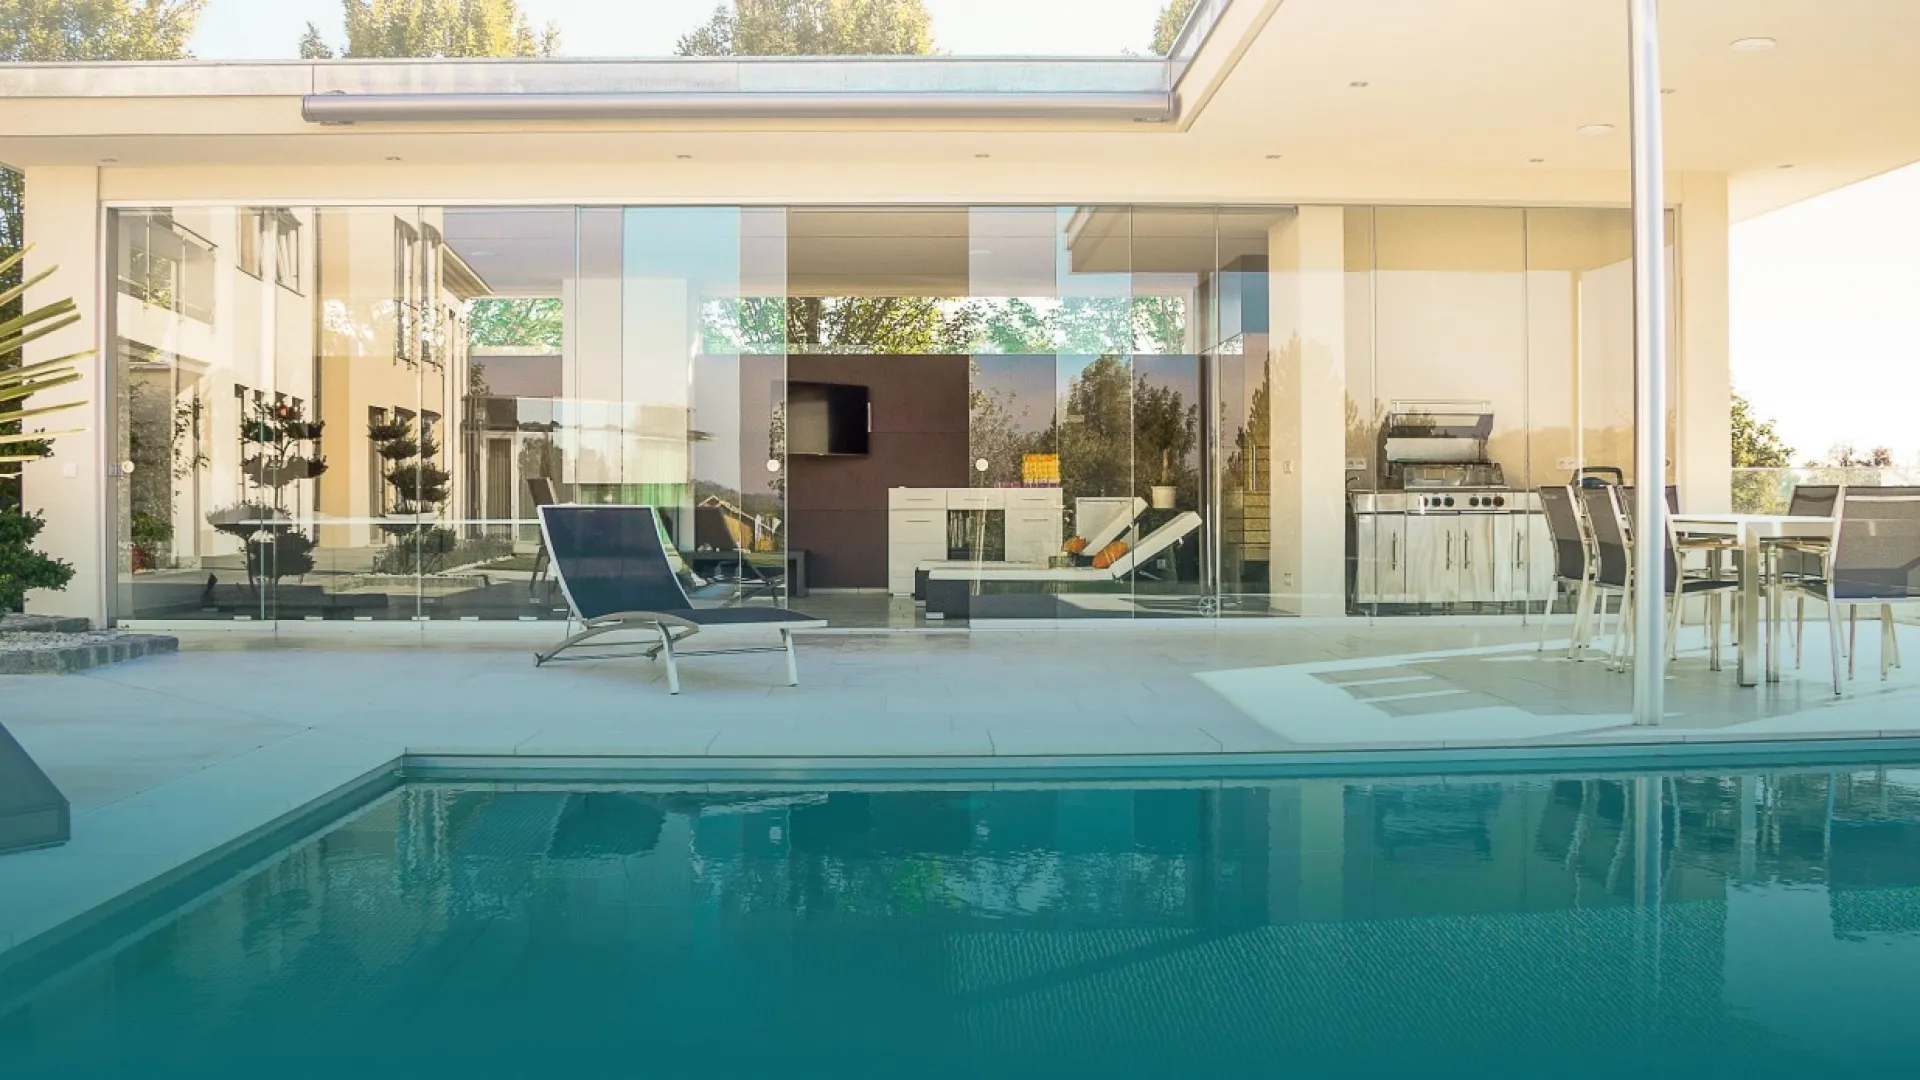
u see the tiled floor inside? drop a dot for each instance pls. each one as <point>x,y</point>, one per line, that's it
<point>169,757</point>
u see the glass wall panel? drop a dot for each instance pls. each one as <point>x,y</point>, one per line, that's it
<point>696,426</point>
<point>1240,408</point>
<point>354,412</point>
<point>213,342</point>
<point>1175,305</point>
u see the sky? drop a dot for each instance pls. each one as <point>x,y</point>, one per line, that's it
<point>1826,317</point>
<point>269,29</point>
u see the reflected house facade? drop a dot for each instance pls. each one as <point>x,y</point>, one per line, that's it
<point>927,327</point>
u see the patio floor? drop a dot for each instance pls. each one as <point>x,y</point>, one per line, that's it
<point>171,758</point>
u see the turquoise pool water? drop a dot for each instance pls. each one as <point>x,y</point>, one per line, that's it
<point>1756,924</point>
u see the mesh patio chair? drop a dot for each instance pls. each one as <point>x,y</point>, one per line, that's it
<point>1614,564</point>
<point>1874,562</point>
<point>613,565</point>
<point>541,492</point>
<point>1573,562</point>
<point>1798,560</point>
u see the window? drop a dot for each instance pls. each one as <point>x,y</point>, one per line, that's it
<point>253,241</point>
<point>406,282</point>
<point>168,266</point>
<point>286,250</point>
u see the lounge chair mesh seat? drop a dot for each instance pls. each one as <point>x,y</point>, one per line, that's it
<point>613,567</point>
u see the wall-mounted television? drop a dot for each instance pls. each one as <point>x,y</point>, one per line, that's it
<point>828,419</point>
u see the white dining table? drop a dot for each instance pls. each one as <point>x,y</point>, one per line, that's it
<point>1755,533</point>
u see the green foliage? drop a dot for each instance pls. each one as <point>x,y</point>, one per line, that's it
<point>21,567</point>
<point>44,31</point>
<point>517,323</point>
<point>433,28</point>
<point>813,28</point>
<point>50,30</point>
<point>1167,27</point>
<point>1756,445</point>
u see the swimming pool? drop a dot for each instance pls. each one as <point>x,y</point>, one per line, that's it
<point>1748,924</point>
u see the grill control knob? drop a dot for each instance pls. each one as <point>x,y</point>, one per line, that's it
<point>1474,501</point>
<point>1449,500</point>
<point>1499,500</point>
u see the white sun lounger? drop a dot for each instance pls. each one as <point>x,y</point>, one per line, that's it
<point>949,589</point>
<point>1116,526</point>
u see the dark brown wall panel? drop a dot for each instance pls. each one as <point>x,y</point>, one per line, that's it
<point>837,506</point>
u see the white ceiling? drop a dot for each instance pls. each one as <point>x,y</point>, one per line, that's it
<point>1460,87</point>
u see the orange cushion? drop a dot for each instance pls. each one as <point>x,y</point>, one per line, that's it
<point>1109,554</point>
<point>1074,545</point>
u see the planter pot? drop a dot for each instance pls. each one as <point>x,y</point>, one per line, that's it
<point>1162,496</point>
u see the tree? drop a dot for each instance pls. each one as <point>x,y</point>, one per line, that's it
<point>516,322</point>
<point>1756,445</point>
<point>813,28</point>
<point>1166,29</point>
<point>53,30</point>
<point>429,28</point>
<point>41,31</point>
<point>1844,456</point>
<point>1758,451</point>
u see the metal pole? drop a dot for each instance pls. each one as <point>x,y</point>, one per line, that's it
<point>1650,368</point>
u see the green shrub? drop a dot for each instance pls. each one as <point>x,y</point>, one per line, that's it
<point>21,567</point>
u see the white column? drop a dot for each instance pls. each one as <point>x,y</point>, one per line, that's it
<point>1650,363</point>
<point>71,488</point>
<point>1705,451</point>
<point>1307,369</point>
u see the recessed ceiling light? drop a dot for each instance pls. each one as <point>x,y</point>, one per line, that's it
<point>980,251</point>
<point>1593,131</point>
<point>1754,44</point>
<point>1358,84</point>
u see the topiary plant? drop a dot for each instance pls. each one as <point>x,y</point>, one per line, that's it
<point>21,567</point>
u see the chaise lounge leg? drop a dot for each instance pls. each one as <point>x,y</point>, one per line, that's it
<point>673,665</point>
<point>793,662</point>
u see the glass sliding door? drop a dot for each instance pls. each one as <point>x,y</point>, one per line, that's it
<point>701,396</point>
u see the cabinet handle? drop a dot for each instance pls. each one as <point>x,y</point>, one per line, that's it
<point>1394,547</point>
<point>1449,551</point>
<point>1516,551</point>
<point>1466,551</point>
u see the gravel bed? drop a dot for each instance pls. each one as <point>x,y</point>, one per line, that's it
<point>33,642</point>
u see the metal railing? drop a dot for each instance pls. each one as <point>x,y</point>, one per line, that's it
<point>1770,491</point>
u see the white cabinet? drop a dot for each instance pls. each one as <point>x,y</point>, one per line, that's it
<point>917,525</point>
<point>1381,551</point>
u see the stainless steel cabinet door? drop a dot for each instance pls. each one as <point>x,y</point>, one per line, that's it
<point>1381,543</point>
<point>1478,556</point>
<point>1433,558</point>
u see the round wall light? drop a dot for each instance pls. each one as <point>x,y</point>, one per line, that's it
<point>773,465</point>
<point>982,465</point>
<point>1594,131</point>
<point>1754,44</point>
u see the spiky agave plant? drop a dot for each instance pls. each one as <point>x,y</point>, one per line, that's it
<point>19,380</point>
